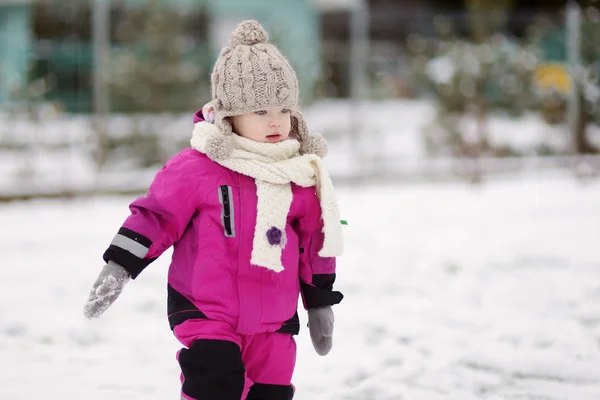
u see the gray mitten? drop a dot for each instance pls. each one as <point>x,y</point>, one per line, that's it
<point>320,324</point>
<point>107,288</point>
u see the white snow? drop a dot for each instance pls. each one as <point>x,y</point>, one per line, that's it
<point>452,292</point>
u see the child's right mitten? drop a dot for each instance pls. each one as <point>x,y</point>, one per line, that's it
<point>106,289</point>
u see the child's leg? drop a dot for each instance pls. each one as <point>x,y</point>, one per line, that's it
<point>211,364</point>
<point>270,359</point>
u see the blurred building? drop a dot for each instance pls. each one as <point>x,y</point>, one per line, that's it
<point>52,39</point>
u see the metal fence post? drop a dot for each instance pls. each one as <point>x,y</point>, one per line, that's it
<point>101,102</point>
<point>573,23</point>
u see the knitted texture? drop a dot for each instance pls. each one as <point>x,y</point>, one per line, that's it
<point>250,75</point>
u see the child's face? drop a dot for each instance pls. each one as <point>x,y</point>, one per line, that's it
<point>270,125</point>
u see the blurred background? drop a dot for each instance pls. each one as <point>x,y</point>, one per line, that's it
<point>96,95</point>
<point>464,139</point>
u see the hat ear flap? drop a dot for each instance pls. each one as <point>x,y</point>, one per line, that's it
<point>295,130</point>
<point>219,144</point>
<point>314,144</point>
<point>309,144</point>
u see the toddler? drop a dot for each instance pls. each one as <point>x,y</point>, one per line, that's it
<point>253,220</point>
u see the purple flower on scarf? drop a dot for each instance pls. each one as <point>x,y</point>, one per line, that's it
<point>274,235</point>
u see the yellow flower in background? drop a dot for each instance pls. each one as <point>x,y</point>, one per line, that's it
<point>553,77</point>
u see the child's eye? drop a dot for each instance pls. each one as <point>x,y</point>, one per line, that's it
<point>261,112</point>
<point>285,110</point>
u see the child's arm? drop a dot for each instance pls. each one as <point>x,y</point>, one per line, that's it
<point>317,274</point>
<point>157,221</point>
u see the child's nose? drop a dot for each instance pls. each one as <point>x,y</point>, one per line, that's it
<point>274,124</point>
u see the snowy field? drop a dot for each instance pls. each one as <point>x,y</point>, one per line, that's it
<point>452,292</point>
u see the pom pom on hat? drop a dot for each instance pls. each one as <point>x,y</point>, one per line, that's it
<point>248,33</point>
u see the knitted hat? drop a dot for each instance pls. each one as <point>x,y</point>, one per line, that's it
<point>251,75</point>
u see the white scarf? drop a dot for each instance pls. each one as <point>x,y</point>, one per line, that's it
<point>274,166</point>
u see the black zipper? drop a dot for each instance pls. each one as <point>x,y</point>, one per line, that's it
<point>225,197</point>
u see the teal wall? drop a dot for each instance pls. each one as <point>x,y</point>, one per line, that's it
<point>15,47</point>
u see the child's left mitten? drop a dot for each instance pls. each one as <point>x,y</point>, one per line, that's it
<point>320,325</point>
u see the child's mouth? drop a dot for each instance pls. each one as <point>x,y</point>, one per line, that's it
<point>274,138</point>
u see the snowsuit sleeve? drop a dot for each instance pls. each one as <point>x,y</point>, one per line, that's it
<point>317,274</point>
<point>158,219</point>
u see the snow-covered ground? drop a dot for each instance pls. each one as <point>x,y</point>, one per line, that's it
<point>452,292</point>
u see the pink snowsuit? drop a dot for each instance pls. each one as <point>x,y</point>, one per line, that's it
<point>215,296</point>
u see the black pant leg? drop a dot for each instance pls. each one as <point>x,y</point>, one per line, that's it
<point>212,370</point>
<point>261,391</point>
